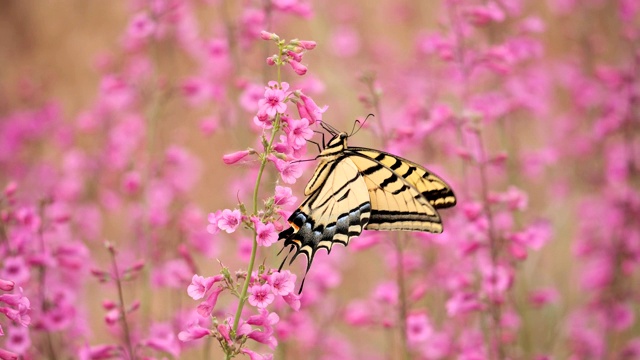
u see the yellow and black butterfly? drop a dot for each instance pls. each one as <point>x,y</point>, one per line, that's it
<point>355,188</point>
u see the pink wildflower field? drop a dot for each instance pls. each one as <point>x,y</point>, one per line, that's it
<point>151,151</point>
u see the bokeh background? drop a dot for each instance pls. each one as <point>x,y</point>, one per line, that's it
<point>114,117</point>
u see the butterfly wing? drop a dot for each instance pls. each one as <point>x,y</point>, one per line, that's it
<point>337,209</point>
<point>403,194</point>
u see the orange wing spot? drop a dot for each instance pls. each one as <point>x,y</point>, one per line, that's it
<point>294,226</point>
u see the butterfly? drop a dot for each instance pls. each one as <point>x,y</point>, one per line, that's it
<point>354,189</point>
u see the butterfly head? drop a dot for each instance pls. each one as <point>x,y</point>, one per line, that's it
<point>338,142</point>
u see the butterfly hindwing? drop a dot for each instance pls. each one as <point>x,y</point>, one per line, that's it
<point>337,209</point>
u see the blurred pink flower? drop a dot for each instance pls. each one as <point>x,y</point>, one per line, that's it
<point>461,303</point>
<point>193,332</point>
<point>255,356</point>
<point>141,26</point>
<point>544,296</point>
<point>480,15</point>
<point>8,355</point>
<point>15,269</point>
<point>419,328</point>
<point>6,285</point>
<point>18,339</point>
<point>251,96</point>
<point>162,338</point>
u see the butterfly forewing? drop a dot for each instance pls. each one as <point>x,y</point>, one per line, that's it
<point>395,203</point>
<point>433,188</point>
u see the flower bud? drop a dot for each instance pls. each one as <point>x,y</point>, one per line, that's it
<point>265,35</point>
<point>297,67</point>
<point>235,157</point>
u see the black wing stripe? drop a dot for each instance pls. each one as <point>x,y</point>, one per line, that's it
<point>388,181</point>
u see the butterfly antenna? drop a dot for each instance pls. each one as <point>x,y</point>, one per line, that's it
<point>361,124</point>
<point>329,128</point>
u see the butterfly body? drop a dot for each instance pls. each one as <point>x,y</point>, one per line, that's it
<point>354,188</point>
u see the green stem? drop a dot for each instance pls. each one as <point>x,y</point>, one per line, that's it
<point>254,247</point>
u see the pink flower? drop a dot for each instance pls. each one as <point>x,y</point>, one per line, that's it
<point>141,26</point>
<point>266,233</point>
<point>263,120</point>
<point>345,41</point>
<point>193,332</point>
<point>98,352</point>
<point>265,319</point>
<point>284,196</point>
<point>619,316</point>
<point>273,102</point>
<point>482,15</point>
<point>264,337</point>
<point>255,356</point>
<point>260,295</point>
<point>542,297</point>
<point>358,313</point>
<point>265,35</point>
<point>251,96</point>
<point>8,355</point>
<point>197,90</point>
<point>235,157</point>
<point>496,280</point>
<point>213,218</point>
<point>297,67</point>
<point>418,328</point>
<point>288,171</point>
<point>206,307</point>
<point>16,300</point>
<point>15,269</point>
<point>282,283</point>
<point>18,340</point>
<point>6,285</point>
<point>293,300</point>
<point>19,315</point>
<point>307,44</point>
<point>162,338</point>
<point>200,285</point>
<point>298,132</point>
<point>387,292</point>
<point>308,109</point>
<point>462,303</point>
<point>229,220</point>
